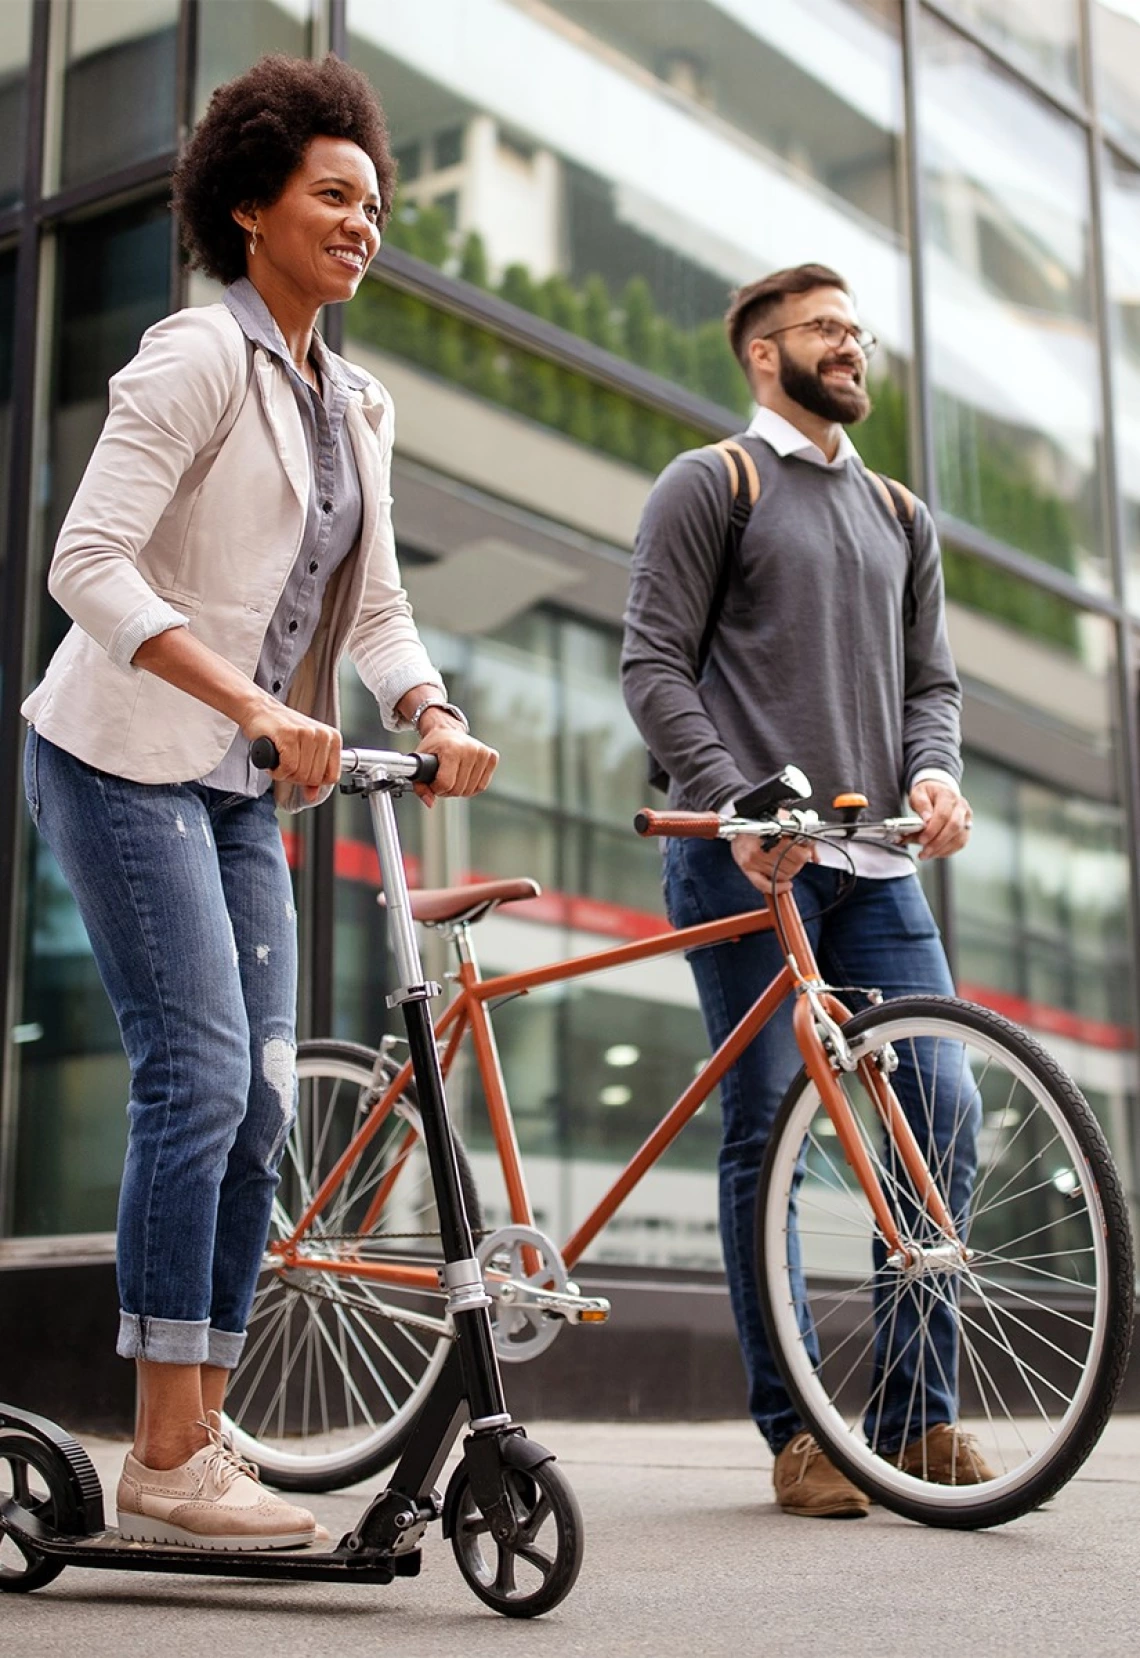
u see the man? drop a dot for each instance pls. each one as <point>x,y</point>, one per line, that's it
<point>829,651</point>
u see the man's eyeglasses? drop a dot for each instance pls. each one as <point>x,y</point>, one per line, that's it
<point>832,332</point>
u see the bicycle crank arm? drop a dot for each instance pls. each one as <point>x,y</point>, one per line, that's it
<point>574,1308</point>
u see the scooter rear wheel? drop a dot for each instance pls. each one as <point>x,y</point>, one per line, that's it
<point>34,1478</point>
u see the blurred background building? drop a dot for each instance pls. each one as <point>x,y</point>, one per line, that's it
<point>582,183</point>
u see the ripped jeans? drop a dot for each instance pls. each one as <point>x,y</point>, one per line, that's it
<point>187,901</point>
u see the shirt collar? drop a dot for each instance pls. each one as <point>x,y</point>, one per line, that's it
<point>257,324</point>
<point>787,439</point>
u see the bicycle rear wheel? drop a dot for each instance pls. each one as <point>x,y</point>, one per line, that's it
<point>337,1363</point>
<point>1025,1343</point>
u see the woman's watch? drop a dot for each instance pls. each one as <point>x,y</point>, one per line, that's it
<point>437,702</point>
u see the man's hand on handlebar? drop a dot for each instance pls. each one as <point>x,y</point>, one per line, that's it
<point>946,819</point>
<point>466,765</point>
<point>758,864</point>
<point>309,751</point>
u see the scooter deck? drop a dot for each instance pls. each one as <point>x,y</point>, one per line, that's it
<point>107,1549</point>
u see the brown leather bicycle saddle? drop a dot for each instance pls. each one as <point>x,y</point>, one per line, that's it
<point>435,905</point>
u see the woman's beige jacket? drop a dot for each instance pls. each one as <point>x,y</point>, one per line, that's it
<point>191,513</point>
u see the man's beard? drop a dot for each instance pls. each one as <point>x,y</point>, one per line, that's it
<point>846,404</point>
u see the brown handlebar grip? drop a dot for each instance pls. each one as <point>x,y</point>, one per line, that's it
<point>702,826</point>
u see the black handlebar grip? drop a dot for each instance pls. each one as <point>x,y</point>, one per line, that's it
<point>426,767</point>
<point>263,753</point>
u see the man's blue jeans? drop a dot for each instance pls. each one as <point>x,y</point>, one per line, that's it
<point>187,901</point>
<point>882,936</point>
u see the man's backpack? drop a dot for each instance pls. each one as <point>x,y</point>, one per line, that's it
<point>744,481</point>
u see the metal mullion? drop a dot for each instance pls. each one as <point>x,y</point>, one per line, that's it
<point>1065,103</point>
<point>14,639</point>
<point>1129,156</point>
<point>922,421</point>
<point>1126,667</point>
<point>1025,566</point>
<point>112,190</point>
<point>184,84</point>
<point>338,28</point>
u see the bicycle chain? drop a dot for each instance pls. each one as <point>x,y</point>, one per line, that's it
<point>385,1237</point>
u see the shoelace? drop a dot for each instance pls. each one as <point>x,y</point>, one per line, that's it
<point>224,1465</point>
<point>805,1447</point>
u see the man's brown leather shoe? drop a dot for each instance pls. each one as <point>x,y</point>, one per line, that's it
<point>947,1456</point>
<point>807,1482</point>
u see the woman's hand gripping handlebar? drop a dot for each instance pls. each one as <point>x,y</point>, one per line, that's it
<point>358,762</point>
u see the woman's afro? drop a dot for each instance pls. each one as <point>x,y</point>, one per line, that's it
<point>254,136</point>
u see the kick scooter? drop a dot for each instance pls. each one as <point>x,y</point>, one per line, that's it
<point>512,1518</point>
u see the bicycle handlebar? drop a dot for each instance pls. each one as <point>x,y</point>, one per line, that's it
<point>356,762</point>
<point>702,826</point>
<point>709,826</point>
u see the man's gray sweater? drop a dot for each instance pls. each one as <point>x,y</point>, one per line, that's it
<point>813,661</point>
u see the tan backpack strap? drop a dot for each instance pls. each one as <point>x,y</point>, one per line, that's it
<point>881,485</point>
<point>722,449</point>
<point>887,487</point>
<point>909,502</point>
<point>728,448</point>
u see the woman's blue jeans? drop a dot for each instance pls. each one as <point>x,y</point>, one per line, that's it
<point>882,936</point>
<point>187,901</point>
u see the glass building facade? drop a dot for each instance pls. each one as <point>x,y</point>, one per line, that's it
<point>582,183</point>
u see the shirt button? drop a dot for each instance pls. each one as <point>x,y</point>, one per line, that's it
<point>326,506</point>
<point>276,684</point>
<point>292,627</point>
<point>313,568</point>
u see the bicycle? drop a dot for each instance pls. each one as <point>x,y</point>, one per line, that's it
<point>855,1232</point>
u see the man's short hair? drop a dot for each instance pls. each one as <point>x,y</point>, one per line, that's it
<point>753,306</point>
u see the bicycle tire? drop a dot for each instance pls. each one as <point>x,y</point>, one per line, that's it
<point>1043,1310</point>
<point>334,1373</point>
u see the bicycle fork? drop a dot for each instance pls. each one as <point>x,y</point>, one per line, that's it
<point>818,1019</point>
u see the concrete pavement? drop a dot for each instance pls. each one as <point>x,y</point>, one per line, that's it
<point>685,1554</point>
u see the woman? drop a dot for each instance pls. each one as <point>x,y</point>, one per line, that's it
<point>230,538</point>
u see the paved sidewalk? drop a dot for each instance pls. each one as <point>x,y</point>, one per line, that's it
<point>685,1555</point>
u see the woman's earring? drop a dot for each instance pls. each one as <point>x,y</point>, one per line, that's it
<point>253,241</point>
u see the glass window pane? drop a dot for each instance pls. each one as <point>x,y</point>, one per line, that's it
<point>7,350</point>
<point>628,228</point>
<point>112,282</point>
<point>1122,260</point>
<point>1012,343</point>
<point>232,37</point>
<point>15,47</point>
<point>1116,37</point>
<point>119,77</point>
<point>1042,36</point>
<point>1041,899</point>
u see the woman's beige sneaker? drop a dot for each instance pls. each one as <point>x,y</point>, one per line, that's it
<point>214,1501</point>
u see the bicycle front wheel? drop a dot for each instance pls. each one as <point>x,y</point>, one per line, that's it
<point>1023,1343</point>
<point>345,1343</point>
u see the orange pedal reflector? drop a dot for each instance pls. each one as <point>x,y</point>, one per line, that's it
<point>592,1315</point>
<point>844,801</point>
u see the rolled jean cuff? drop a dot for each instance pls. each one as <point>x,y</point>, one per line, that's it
<point>224,1349</point>
<point>163,1340</point>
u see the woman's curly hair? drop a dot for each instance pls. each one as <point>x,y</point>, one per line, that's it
<point>253,137</point>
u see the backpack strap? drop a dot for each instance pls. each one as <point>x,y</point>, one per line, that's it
<point>901,504</point>
<point>744,481</point>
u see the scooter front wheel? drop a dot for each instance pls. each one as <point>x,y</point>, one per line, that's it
<point>533,1569</point>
